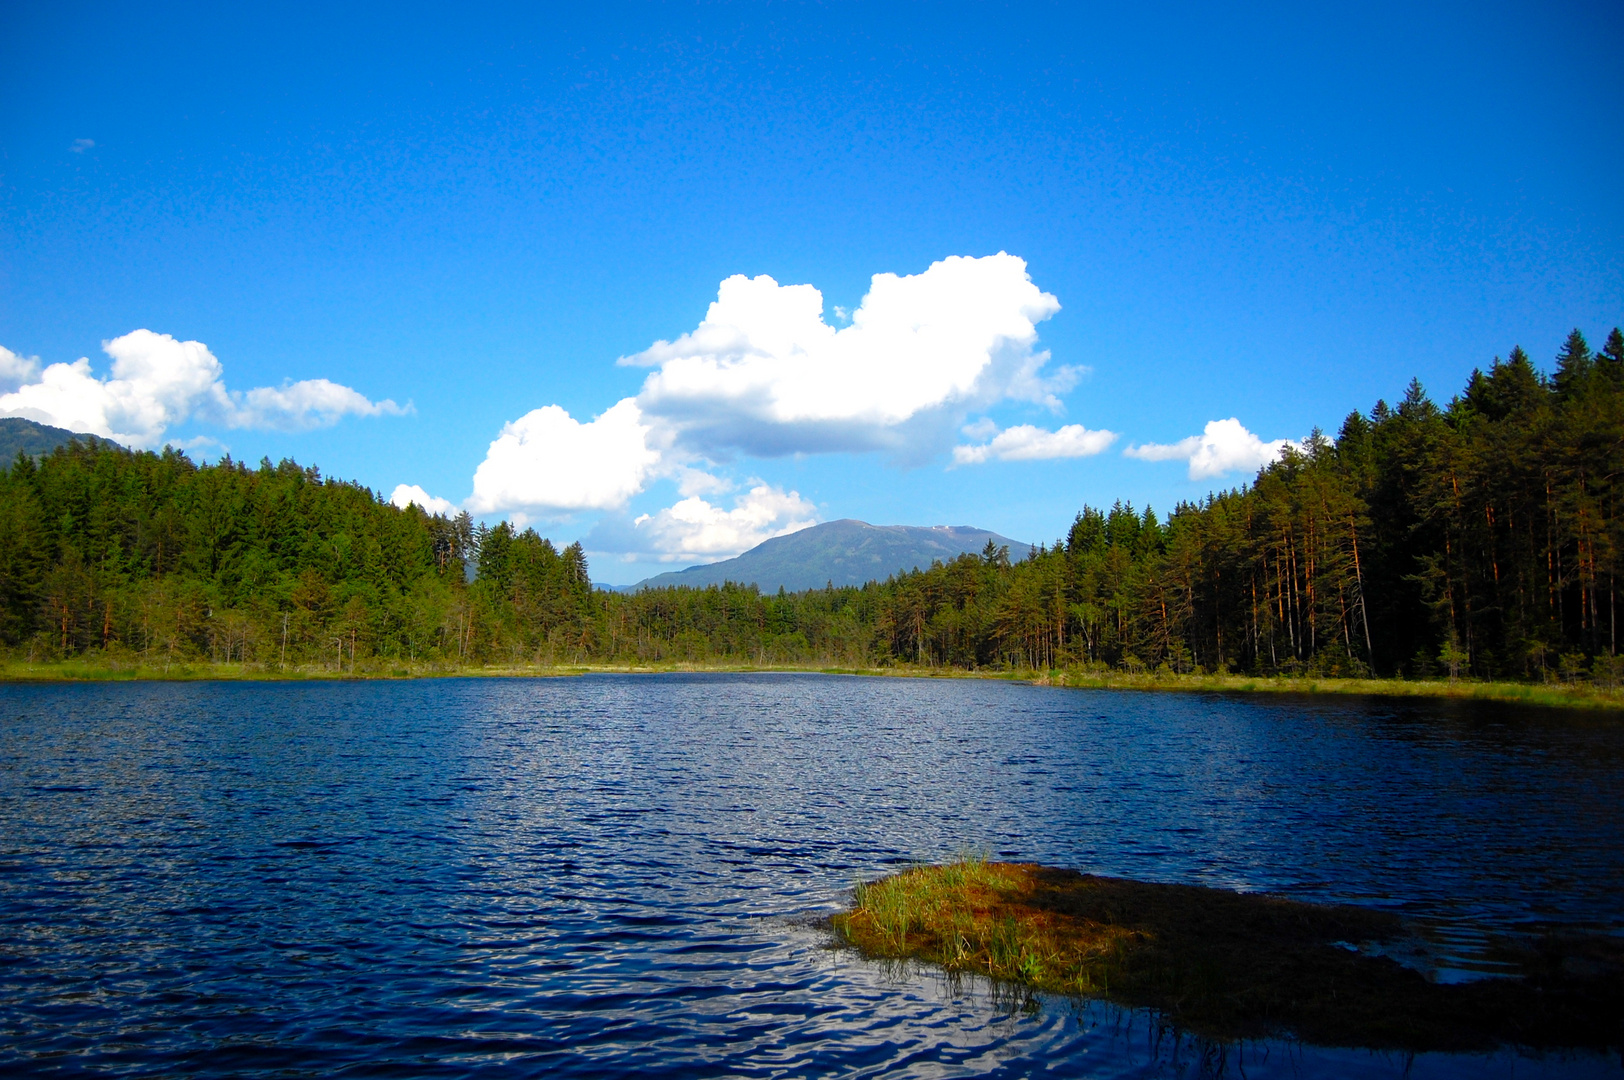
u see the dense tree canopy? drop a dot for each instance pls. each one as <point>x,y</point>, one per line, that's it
<point>1481,537</point>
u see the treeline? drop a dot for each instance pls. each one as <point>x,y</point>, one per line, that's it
<point>102,549</point>
<point>1481,537</point>
<point>1478,538</point>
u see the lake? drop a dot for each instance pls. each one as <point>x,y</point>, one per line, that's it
<point>618,874</point>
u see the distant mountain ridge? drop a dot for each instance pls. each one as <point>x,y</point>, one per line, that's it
<point>32,438</point>
<point>844,552</point>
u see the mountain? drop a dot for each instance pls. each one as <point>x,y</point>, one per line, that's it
<point>17,434</point>
<point>845,552</point>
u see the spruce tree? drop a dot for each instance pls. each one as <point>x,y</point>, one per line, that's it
<point>1574,365</point>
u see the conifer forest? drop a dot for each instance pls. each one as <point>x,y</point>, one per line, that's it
<point>1482,537</point>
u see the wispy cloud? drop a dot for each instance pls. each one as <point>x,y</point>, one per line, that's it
<point>81,145</point>
<point>309,403</point>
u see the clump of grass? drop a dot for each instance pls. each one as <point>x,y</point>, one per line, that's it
<point>963,916</point>
<point>1226,964</point>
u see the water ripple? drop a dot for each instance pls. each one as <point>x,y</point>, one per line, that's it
<point>624,875</point>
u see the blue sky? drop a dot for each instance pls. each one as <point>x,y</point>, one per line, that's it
<point>398,233</point>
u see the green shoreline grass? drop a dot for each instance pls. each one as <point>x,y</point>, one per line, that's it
<point>106,669</point>
<point>1231,965</point>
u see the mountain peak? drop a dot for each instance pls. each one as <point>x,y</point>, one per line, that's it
<point>844,552</point>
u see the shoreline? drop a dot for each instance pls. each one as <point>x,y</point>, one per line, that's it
<point>119,669</point>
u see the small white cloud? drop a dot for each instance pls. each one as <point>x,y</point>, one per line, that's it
<point>548,462</point>
<point>1225,446</point>
<point>1027,443</point>
<point>407,494</point>
<point>695,531</point>
<point>309,403</point>
<point>157,382</point>
<point>81,145</point>
<point>16,370</point>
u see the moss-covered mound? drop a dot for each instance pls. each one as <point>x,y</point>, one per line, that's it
<point>1230,964</point>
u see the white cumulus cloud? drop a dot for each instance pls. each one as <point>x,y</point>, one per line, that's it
<point>157,382</point>
<point>1225,446</point>
<point>695,531</point>
<point>1024,442</point>
<point>407,494</point>
<point>548,461</point>
<point>765,374</point>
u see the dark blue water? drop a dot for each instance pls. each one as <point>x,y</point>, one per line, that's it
<point>616,875</point>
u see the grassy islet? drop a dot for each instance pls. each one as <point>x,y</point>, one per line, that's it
<point>1232,965</point>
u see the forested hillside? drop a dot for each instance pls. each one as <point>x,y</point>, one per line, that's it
<point>20,436</point>
<point>1482,537</point>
